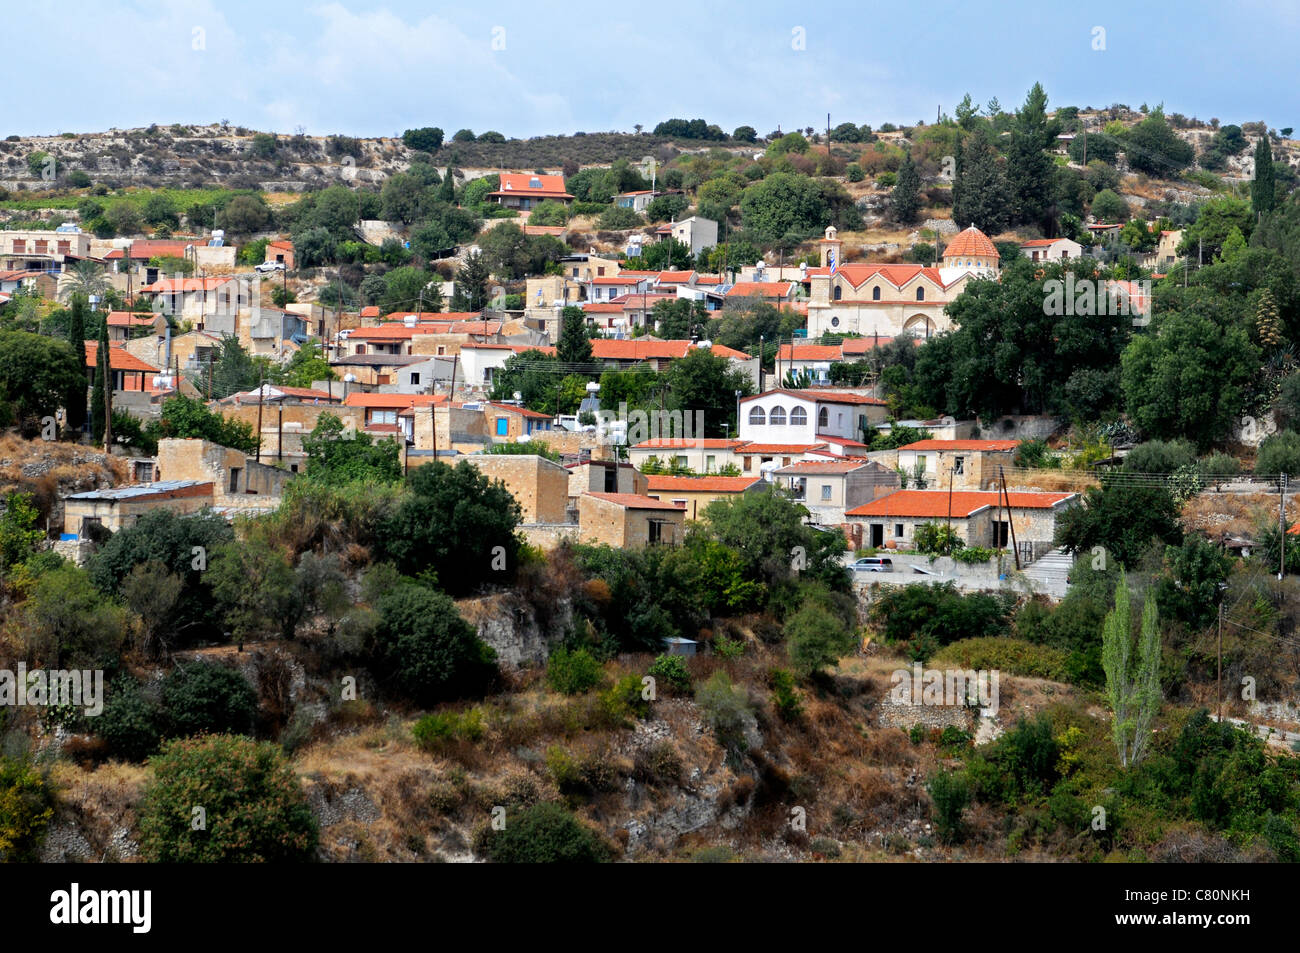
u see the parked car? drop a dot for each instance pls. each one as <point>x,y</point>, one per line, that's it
<point>267,267</point>
<point>873,564</point>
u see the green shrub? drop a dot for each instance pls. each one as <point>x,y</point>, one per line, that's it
<point>131,723</point>
<point>671,671</point>
<point>854,172</point>
<point>658,764</point>
<point>784,696</point>
<point>726,709</point>
<point>542,834</point>
<point>973,554</point>
<point>726,648</point>
<point>817,639</point>
<point>1012,656</point>
<point>572,673</point>
<point>435,730</point>
<point>253,807</point>
<point>208,698</point>
<point>26,807</point>
<point>951,795</point>
<point>624,700</point>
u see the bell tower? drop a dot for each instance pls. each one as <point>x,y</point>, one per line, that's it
<point>831,245</point>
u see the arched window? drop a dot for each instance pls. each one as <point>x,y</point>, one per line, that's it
<point>875,293</point>
<point>839,292</point>
<point>776,416</point>
<point>798,417</point>
<point>823,419</point>
<point>920,294</point>
<point>756,416</point>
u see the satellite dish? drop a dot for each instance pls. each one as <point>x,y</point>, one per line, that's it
<point>349,378</point>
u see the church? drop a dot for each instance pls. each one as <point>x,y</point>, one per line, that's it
<point>889,300</point>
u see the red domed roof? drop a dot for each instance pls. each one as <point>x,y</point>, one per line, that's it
<point>971,243</point>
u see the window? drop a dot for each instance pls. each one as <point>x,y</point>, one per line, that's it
<point>756,417</point>
<point>776,417</point>
<point>680,460</point>
<point>415,378</point>
<point>798,417</point>
<point>749,464</point>
<point>600,271</point>
<point>611,479</point>
<point>823,418</point>
<point>835,322</point>
<point>898,530</point>
<point>234,479</point>
<point>143,472</point>
<point>920,294</point>
<point>959,465</point>
<point>503,426</point>
<point>710,463</point>
<point>875,293</point>
<point>383,416</point>
<point>826,491</point>
<point>839,293</point>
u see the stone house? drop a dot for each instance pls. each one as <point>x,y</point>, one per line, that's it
<point>119,507</point>
<point>828,488</point>
<point>695,493</point>
<point>539,485</point>
<point>627,521</point>
<point>969,464</point>
<point>980,518</point>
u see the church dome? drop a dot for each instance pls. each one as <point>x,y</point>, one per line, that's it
<point>971,243</point>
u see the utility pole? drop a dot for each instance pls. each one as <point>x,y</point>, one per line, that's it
<point>1015,547</point>
<point>260,388</point>
<point>1220,679</point>
<point>279,438</point>
<point>1281,519</point>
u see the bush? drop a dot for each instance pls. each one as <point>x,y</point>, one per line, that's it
<point>619,218</point>
<point>817,639</point>
<point>624,700</point>
<point>784,696</point>
<point>208,698</point>
<point>434,731</point>
<point>1160,456</point>
<point>951,795</point>
<point>572,673</point>
<point>726,710</point>
<point>131,724</point>
<point>854,172</point>
<point>672,672</point>
<point>1279,453</point>
<point>1007,655</point>
<point>658,764</point>
<point>427,650</point>
<point>542,834</point>
<point>26,807</point>
<point>253,807</point>
<point>973,554</point>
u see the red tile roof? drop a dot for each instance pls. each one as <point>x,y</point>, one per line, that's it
<point>821,466</point>
<point>1039,242</point>
<point>684,443</point>
<point>778,447</point>
<point>118,358</point>
<point>971,242</point>
<point>645,349</point>
<point>633,501</point>
<point>932,504</point>
<point>123,319</point>
<point>393,400</point>
<point>989,446</point>
<point>548,186</point>
<point>899,276</point>
<point>522,411</point>
<point>820,396</point>
<point>703,484</point>
<point>766,289</point>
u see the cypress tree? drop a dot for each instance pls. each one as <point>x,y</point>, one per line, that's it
<point>906,197</point>
<point>1262,196</point>
<point>101,398</point>
<point>76,399</point>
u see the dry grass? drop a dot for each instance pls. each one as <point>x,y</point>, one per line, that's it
<point>1236,514</point>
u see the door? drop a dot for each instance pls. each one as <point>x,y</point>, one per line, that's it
<point>877,535</point>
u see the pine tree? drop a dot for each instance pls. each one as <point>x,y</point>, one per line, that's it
<point>1029,167</point>
<point>1267,323</point>
<point>101,399</point>
<point>981,197</point>
<point>76,399</point>
<point>471,285</point>
<point>447,190</point>
<point>1262,195</point>
<point>906,197</point>
<point>574,346</point>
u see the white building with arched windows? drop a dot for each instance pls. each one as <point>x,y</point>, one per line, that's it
<point>805,417</point>
<point>889,300</point>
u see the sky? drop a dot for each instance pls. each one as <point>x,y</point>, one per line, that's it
<point>528,69</point>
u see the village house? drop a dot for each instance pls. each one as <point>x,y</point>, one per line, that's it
<point>979,518</point>
<point>507,423</point>
<point>695,233</point>
<point>382,411</point>
<point>811,416</point>
<point>771,292</point>
<point>117,508</point>
<point>966,464</point>
<point>540,486</point>
<point>636,200</point>
<point>126,325</point>
<point>129,372</point>
<point>240,483</point>
<point>526,191</point>
<point>131,264</point>
<point>696,492</point>
<point>893,299</point>
<point>202,301</point>
<point>803,358</point>
<point>280,252</point>
<point>627,521</point>
<point>1051,249</point>
<point>604,476</point>
<point>700,454</point>
<point>42,283</point>
<point>41,250</point>
<point>830,487</point>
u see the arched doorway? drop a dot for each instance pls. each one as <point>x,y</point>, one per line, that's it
<point>919,325</point>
